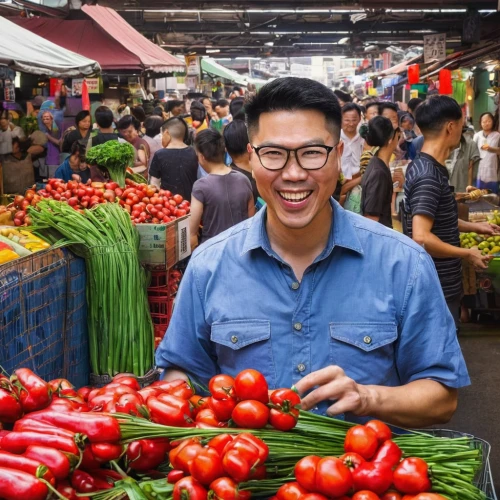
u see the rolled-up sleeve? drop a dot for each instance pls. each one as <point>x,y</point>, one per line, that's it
<point>186,345</point>
<point>428,347</point>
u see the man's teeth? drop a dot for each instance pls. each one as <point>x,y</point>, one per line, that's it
<point>295,196</point>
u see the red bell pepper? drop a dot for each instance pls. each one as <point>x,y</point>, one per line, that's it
<point>98,428</point>
<point>105,452</point>
<point>15,484</point>
<point>84,392</point>
<point>147,454</point>
<point>10,407</point>
<point>59,463</point>
<point>89,461</point>
<point>25,464</point>
<point>181,456</point>
<point>83,482</point>
<point>179,388</point>
<point>60,384</point>
<point>389,453</point>
<point>18,442</point>
<point>28,424</point>
<point>169,410</point>
<point>34,393</point>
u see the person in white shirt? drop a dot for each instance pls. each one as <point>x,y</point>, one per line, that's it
<point>488,142</point>
<point>353,143</point>
<point>8,131</point>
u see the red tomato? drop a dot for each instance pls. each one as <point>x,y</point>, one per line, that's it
<point>223,408</point>
<point>207,416</point>
<point>197,404</point>
<point>376,477</point>
<point>225,488</point>
<point>220,442</point>
<point>305,472</point>
<point>125,379</point>
<point>352,460</point>
<point>284,414</point>
<point>178,198</point>
<point>237,465</point>
<point>389,453</point>
<point>181,456</point>
<point>291,491</point>
<point>251,384</point>
<point>361,440</point>
<point>90,191</point>
<point>392,495</point>
<point>333,478</point>
<point>365,495</point>
<point>412,476</point>
<point>424,496</point>
<point>221,386</point>
<point>382,430</point>
<point>174,475</point>
<point>188,488</point>
<point>250,414</point>
<point>206,466</point>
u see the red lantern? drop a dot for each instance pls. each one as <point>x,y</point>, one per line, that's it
<point>445,85</point>
<point>413,74</point>
<point>85,96</point>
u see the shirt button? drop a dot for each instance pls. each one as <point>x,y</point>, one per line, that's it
<point>367,340</point>
<point>301,367</point>
<point>234,339</point>
<point>295,285</point>
<point>297,326</point>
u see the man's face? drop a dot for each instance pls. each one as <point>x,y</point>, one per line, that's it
<point>391,115</point>
<point>222,111</point>
<point>208,106</point>
<point>350,122</point>
<point>371,112</point>
<point>178,110</point>
<point>294,129</point>
<point>456,129</point>
<point>4,123</point>
<point>129,134</point>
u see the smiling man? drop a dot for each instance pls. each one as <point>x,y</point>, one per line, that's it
<point>345,309</point>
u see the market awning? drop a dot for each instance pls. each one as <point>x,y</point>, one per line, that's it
<point>22,50</point>
<point>107,38</point>
<point>213,68</point>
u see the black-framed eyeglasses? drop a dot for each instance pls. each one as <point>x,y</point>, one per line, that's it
<point>311,157</point>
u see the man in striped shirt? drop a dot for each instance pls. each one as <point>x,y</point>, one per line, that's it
<point>431,211</point>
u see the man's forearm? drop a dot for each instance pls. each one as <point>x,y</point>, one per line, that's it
<point>417,404</point>
<point>438,248</point>
<point>169,375</point>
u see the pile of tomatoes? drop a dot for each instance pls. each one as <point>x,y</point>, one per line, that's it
<point>145,203</point>
<point>371,469</point>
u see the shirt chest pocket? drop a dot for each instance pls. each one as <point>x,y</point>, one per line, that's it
<point>242,344</point>
<point>365,351</point>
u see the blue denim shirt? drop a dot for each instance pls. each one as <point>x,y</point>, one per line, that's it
<point>371,303</point>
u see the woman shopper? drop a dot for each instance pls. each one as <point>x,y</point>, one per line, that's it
<point>488,142</point>
<point>74,167</point>
<point>221,199</point>
<point>81,132</point>
<point>376,185</point>
<point>53,134</point>
<point>129,128</point>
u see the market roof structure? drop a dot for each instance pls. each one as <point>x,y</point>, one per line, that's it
<point>213,68</point>
<point>23,50</point>
<point>107,38</point>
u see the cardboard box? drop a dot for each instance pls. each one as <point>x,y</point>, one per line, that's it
<point>163,245</point>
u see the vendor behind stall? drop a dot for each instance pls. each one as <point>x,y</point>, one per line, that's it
<point>75,166</point>
<point>298,292</point>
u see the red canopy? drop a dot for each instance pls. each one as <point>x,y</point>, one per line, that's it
<point>107,38</point>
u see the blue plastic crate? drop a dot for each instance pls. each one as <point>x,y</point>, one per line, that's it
<point>43,316</point>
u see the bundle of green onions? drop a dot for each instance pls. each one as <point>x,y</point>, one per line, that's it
<point>454,462</point>
<point>121,335</point>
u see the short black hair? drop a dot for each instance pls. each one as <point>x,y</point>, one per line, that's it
<point>80,148</point>
<point>176,127</point>
<point>387,105</point>
<point>236,88</point>
<point>236,108</point>
<point>293,94</point>
<point>173,104</point>
<point>210,144</point>
<point>104,117</point>
<point>350,106</point>
<point>236,138</point>
<point>138,113</point>
<point>435,112</point>
<point>414,103</point>
<point>198,111</point>
<point>126,121</point>
<point>371,104</point>
<point>343,96</point>
<point>158,111</point>
<point>378,132</point>
<point>81,115</point>
<point>223,103</point>
<point>153,124</point>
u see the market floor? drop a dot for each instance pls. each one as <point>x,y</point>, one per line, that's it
<point>478,410</point>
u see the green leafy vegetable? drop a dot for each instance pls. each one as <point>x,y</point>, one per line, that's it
<point>115,157</point>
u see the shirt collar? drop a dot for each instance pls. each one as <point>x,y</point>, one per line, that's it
<point>347,139</point>
<point>342,233</point>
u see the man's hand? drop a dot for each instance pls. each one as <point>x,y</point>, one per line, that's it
<point>478,260</point>
<point>332,384</point>
<point>486,228</point>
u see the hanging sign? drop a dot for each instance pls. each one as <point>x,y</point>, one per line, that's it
<point>192,65</point>
<point>434,48</point>
<point>93,86</point>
